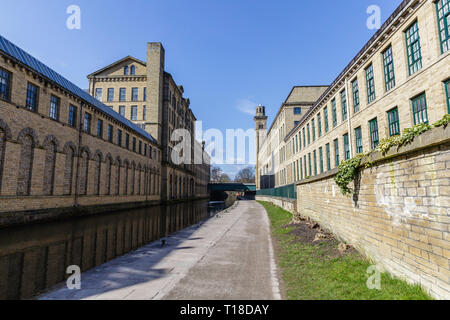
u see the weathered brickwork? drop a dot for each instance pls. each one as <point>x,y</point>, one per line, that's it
<point>399,215</point>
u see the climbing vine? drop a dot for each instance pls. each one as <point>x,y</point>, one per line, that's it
<point>349,169</point>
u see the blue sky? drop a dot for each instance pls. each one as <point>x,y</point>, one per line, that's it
<point>229,55</point>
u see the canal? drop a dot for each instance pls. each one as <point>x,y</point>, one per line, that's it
<point>35,257</point>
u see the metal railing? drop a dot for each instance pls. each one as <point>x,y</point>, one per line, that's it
<point>288,192</point>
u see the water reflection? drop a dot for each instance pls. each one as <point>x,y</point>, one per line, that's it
<point>35,257</point>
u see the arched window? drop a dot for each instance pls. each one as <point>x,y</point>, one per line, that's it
<point>49,168</point>
<point>108,175</point>
<point>125,189</point>
<point>97,173</point>
<point>133,178</point>
<point>26,163</point>
<point>139,171</point>
<point>133,70</point>
<point>68,170</point>
<point>125,70</point>
<point>117,191</point>
<point>2,153</point>
<point>84,172</point>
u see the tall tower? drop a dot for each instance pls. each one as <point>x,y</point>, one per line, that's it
<point>261,134</point>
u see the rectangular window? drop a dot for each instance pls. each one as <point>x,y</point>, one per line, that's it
<point>443,14</point>
<point>370,83</point>
<point>140,147</point>
<point>309,165</point>
<point>32,97</point>
<point>413,48</point>
<point>127,141</point>
<point>304,138</point>
<point>334,112</point>
<point>87,123</point>
<point>321,159</point>
<point>315,162</point>
<point>301,169</point>
<point>344,105</point>
<point>325,118</point>
<point>327,149</point>
<point>296,123</point>
<point>296,144</point>
<point>374,139</point>
<point>123,94</point>
<point>134,113</point>
<point>145,94</point>
<point>98,94</point>
<point>394,122</point>
<point>297,110</point>
<point>313,128</point>
<point>447,92</point>
<point>111,94</point>
<point>308,130</point>
<point>299,140</point>
<point>346,147</point>
<point>134,94</point>
<point>5,84</point>
<point>122,111</point>
<point>419,108</point>
<point>144,113</point>
<point>100,128</point>
<point>336,153</point>
<point>119,138</point>
<point>319,124</point>
<point>134,144</point>
<point>355,89</point>
<point>110,133</point>
<point>54,107</point>
<point>145,149</point>
<point>72,116</point>
<point>358,140</point>
<point>389,74</point>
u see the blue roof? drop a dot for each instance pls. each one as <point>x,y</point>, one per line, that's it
<point>15,52</point>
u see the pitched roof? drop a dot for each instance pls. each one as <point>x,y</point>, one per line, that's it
<point>116,63</point>
<point>23,57</point>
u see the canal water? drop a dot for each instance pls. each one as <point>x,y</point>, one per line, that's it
<point>35,257</point>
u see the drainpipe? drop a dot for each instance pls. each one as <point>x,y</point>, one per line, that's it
<point>77,172</point>
<point>350,143</point>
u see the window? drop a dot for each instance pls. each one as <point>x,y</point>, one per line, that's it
<point>145,93</point>
<point>374,139</point>
<point>111,94</point>
<point>304,138</point>
<point>100,128</point>
<point>297,110</point>
<point>54,107</point>
<point>110,133</point>
<point>134,113</point>
<point>315,162</point>
<point>355,89</point>
<point>122,111</point>
<point>309,165</point>
<point>32,97</point>
<point>133,70</point>
<point>336,152</point>
<point>327,150</point>
<point>346,147</point>
<point>419,108</point>
<point>334,112</point>
<point>98,94</point>
<point>134,144</point>
<point>119,138</point>
<point>443,13</point>
<point>144,113</point>
<point>389,74</point>
<point>296,144</point>
<point>325,118</point>
<point>134,94</point>
<point>127,141</point>
<point>5,84</point>
<point>123,94</point>
<point>319,124</point>
<point>125,70</point>
<point>145,149</point>
<point>358,138</point>
<point>72,116</point>
<point>394,123</point>
<point>344,105</point>
<point>140,147</point>
<point>370,82</point>
<point>309,134</point>
<point>321,159</point>
<point>296,123</point>
<point>313,128</point>
<point>304,164</point>
<point>413,48</point>
<point>87,123</point>
<point>447,93</point>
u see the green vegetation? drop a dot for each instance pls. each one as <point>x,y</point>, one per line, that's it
<point>315,272</point>
<point>349,169</point>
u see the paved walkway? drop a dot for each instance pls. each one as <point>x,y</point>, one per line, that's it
<point>227,257</point>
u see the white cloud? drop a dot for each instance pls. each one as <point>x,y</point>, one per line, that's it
<point>246,106</point>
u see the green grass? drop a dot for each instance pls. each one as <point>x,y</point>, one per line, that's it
<point>308,275</point>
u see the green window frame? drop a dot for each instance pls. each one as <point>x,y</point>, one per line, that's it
<point>301,169</point>
<point>309,133</point>
<point>413,48</point>
<point>447,93</point>
<point>309,164</point>
<point>370,83</point>
<point>389,70</point>
<point>443,15</point>
<point>321,159</point>
<point>419,109</point>
<point>315,162</point>
<point>296,144</point>
<point>298,172</point>
<point>305,166</point>
<point>393,122</point>
<point>346,147</point>
<point>344,105</point>
<point>325,118</point>
<point>336,152</point>
<point>355,90</point>
<point>374,137</point>
<point>319,124</point>
<point>299,140</point>
<point>334,112</point>
<point>327,149</point>
<point>304,138</point>
<point>358,140</point>
<point>313,129</point>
